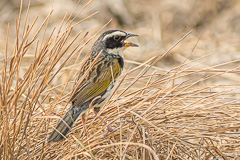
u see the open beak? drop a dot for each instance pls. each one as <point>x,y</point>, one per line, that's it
<point>129,44</point>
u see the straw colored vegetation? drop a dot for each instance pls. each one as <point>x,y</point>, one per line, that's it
<point>178,96</point>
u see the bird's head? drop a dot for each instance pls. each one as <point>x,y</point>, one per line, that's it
<point>113,42</point>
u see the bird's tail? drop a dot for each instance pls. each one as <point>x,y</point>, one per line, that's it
<point>65,124</point>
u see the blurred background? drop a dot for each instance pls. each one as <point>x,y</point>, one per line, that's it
<point>160,23</point>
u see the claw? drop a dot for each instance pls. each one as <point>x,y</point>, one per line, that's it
<point>110,129</point>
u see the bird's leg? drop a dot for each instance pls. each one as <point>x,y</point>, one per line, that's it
<point>109,128</point>
<point>84,124</point>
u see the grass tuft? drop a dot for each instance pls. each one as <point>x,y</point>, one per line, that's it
<point>177,113</point>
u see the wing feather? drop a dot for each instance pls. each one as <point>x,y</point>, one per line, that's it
<point>90,89</point>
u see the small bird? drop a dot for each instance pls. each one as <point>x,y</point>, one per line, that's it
<point>99,82</point>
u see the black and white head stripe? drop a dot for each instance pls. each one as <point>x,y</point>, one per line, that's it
<point>112,41</point>
<point>113,33</point>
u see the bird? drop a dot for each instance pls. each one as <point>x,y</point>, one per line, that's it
<point>101,71</point>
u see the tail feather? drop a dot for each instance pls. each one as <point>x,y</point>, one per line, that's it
<point>65,124</point>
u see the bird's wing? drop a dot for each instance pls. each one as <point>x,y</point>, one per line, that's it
<point>97,81</point>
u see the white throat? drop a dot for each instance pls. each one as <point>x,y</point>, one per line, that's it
<point>116,51</point>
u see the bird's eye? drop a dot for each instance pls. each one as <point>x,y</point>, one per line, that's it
<point>116,38</point>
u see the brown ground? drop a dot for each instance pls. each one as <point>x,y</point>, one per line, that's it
<point>186,106</point>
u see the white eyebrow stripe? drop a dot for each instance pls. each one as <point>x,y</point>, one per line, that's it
<point>114,33</point>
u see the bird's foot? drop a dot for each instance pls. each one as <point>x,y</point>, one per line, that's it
<point>110,129</point>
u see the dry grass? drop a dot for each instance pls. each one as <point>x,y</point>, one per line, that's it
<point>190,111</point>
